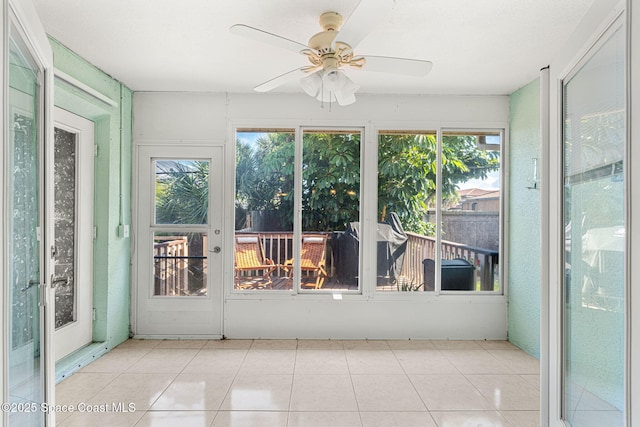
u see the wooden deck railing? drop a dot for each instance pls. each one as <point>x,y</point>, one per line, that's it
<point>421,247</point>
<point>171,260</point>
<point>171,266</point>
<point>278,247</point>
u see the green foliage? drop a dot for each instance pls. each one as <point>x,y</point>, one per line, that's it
<point>330,181</point>
<point>182,193</point>
<point>407,170</point>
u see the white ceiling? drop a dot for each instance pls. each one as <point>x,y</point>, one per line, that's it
<point>476,46</point>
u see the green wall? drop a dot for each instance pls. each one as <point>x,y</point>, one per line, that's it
<point>112,254</point>
<point>524,220</point>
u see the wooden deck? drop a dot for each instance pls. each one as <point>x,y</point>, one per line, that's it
<point>285,283</point>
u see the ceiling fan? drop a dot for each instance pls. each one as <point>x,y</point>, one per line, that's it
<point>330,51</point>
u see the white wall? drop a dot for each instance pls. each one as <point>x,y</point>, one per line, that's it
<point>180,118</point>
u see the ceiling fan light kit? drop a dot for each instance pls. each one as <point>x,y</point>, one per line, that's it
<point>329,53</point>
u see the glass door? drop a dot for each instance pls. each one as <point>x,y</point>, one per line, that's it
<point>24,225</point>
<point>73,223</point>
<point>179,234</point>
<point>593,310</point>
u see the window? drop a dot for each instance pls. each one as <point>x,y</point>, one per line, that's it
<point>439,206</point>
<point>464,241</point>
<point>470,211</point>
<point>179,240</point>
<point>328,190</point>
<point>264,208</point>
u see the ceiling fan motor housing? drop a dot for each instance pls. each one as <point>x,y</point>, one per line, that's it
<point>328,54</point>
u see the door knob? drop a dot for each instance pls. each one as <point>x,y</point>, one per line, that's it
<point>217,249</point>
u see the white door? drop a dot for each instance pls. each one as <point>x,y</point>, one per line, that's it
<point>178,291</point>
<point>73,224</point>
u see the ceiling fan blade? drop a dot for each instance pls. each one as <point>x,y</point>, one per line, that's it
<point>407,67</point>
<point>362,20</point>
<point>280,80</point>
<point>266,37</point>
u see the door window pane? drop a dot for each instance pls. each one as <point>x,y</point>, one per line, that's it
<point>65,225</point>
<point>180,264</point>
<point>182,191</point>
<point>24,361</point>
<point>594,225</point>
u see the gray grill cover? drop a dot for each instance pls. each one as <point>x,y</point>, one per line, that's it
<point>392,244</point>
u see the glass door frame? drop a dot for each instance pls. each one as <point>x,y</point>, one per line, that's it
<point>594,30</point>
<point>23,16</point>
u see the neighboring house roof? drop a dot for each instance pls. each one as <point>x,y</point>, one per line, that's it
<point>477,193</point>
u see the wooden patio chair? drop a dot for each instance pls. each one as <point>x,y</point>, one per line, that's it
<point>249,256</point>
<point>312,259</point>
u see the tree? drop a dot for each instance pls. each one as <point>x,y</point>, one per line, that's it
<point>330,180</point>
<point>182,192</point>
<point>407,170</point>
<point>182,197</point>
<point>331,174</point>
<point>264,177</point>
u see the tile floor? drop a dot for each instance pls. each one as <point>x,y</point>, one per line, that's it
<point>289,383</point>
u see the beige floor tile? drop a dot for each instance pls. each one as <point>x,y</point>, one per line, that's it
<point>518,361</point>
<point>199,392</point>
<point>137,344</point>
<point>456,345</point>
<point>323,393</point>
<point>177,418</point>
<point>250,419</point>
<point>507,392</point>
<point>102,419</point>
<point>194,344</point>
<point>411,344</point>
<point>476,362</point>
<point>470,419</point>
<point>373,362</point>
<point>228,344</point>
<point>259,393</point>
<point>496,345</point>
<point>449,393</point>
<point>280,383</point>
<point>522,418</point>
<point>320,345</point>
<point>397,419</point>
<point>324,419</point>
<point>321,362</point>
<point>274,344</point>
<point>117,360</point>
<point>140,389</point>
<point>425,362</point>
<point>268,362</point>
<point>532,380</point>
<point>365,345</point>
<point>216,361</point>
<point>161,360</point>
<point>386,393</point>
<point>80,387</point>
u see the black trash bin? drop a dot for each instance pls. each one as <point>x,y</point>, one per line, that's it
<point>457,275</point>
